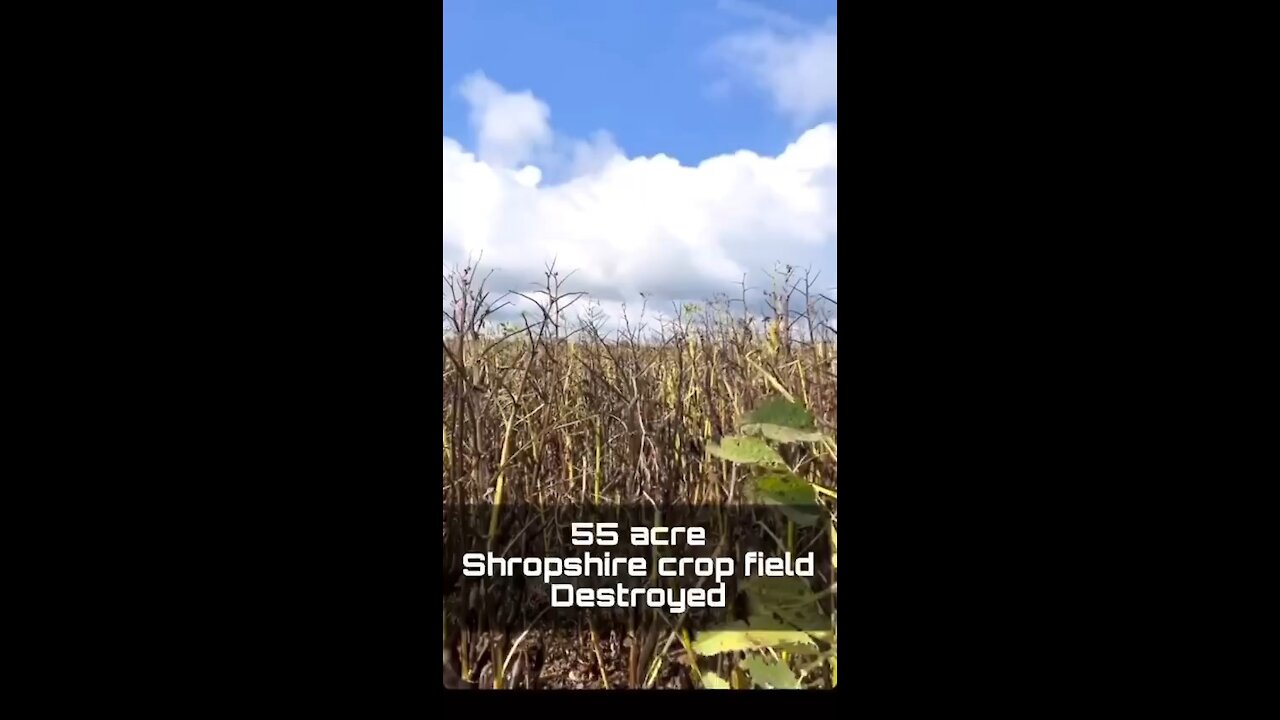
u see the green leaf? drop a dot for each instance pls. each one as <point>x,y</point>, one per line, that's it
<point>746,450</point>
<point>726,638</point>
<point>781,420</point>
<point>738,636</point>
<point>793,641</point>
<point>782,412</point>
<point>776,676</point>
<point>782,433</point>
<point>766,593</point>
<point>784,488</point>
<point>791,494</point>
<point>815,626</point>
<point>783,604</point>
<point>712,681</point>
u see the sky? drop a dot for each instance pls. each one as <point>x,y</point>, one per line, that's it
<point>664,147</point>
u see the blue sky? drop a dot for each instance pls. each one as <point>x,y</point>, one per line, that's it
<point>643,141</point>
<point>645,69</point>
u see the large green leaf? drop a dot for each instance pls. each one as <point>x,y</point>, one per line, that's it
<point>766,592</point>
<point>783,604</point>
<point>790,493</point>
<point>782,433</point>
<point>784,488</point>
<point>775,410</point>
<point>782,420</point>
<point>726,638</point>
<point>746,450</point>
<point>793,641</point>
<point>772,675</point>
<point>762,633</point>
<point>712,681</point>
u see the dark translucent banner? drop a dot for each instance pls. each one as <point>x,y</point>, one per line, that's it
<point>763,568</point>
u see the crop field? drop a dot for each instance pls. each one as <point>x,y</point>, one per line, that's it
<point>705,415</point>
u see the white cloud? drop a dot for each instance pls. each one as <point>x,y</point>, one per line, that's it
<point>795,64</point>
<point>510,126</point>
<point>589,156</point>
<point>643,224</point>
<point>529,176</point>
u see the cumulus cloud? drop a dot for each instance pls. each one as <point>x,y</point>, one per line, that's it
<point>510,126</point>
<point>589,156</point>
<point>627,226</point>
<point>793,62</point>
